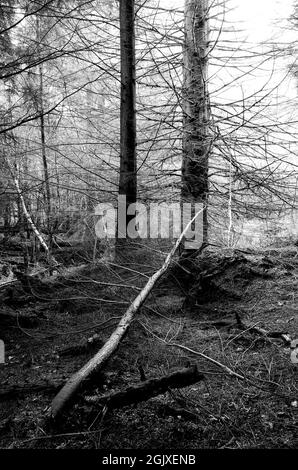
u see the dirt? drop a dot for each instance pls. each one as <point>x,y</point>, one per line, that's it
<point>199,312</point>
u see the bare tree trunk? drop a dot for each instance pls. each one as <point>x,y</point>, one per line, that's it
<point>128,175</point>
<point>43,141</point>
<point>44,159</point>
<point>29,218</point>
<point>196,145</point>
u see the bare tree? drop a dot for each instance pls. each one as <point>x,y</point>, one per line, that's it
<point>196,144</point>
<point>128,166</point>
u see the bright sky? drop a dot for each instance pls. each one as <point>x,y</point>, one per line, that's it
<point>262,17</point>
<point>263,21</point>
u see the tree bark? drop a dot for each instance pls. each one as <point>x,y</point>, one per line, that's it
<point>128,167</point>
<point>196,143</point>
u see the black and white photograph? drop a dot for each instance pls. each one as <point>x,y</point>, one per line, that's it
<point>148,229</point>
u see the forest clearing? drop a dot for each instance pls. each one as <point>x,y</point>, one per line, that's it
<point>148,225</point>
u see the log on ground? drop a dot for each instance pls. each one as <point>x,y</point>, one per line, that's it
<point>150,388</point>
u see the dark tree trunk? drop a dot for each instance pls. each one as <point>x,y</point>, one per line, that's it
<point>128,175</point>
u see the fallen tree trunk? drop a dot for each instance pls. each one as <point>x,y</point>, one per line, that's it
<point>149,388</point>
<point>97,362</point>
<point>9,393</point>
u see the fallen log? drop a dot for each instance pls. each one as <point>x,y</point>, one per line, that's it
<point>149,388</point>
<point>15,391</point>
<point>97,362</point>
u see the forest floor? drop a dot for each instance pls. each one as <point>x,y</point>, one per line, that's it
<point>261,411</point>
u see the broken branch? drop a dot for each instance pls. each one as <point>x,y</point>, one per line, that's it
<point>149,388</point>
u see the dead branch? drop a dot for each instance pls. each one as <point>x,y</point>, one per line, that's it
<point>197,353</point>
<point>219,364</point>
<point>97,362</point>
<point>149,388</point>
